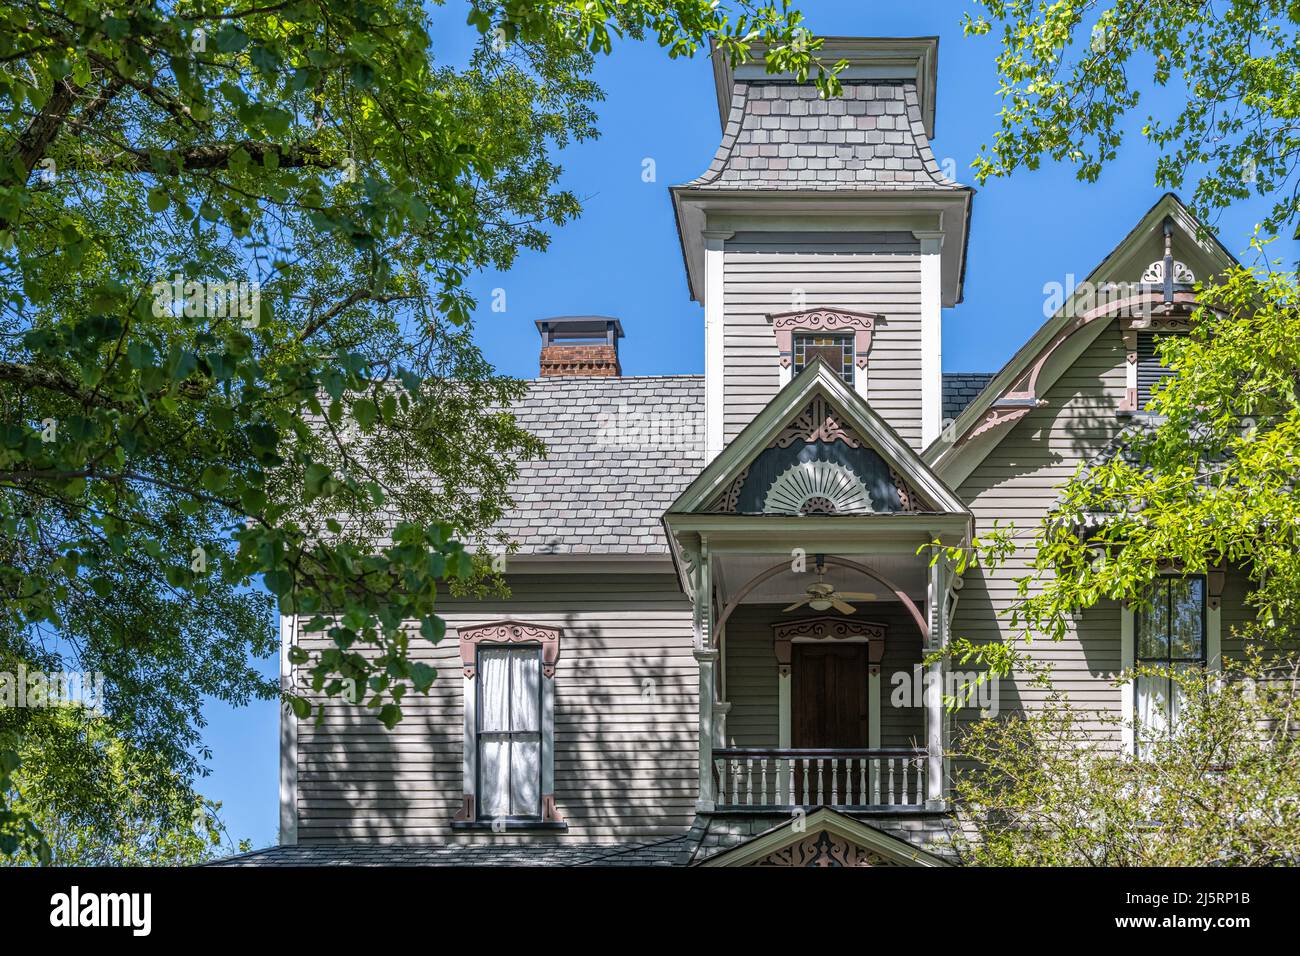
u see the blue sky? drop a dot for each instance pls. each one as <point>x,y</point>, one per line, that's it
<point>622,257</point>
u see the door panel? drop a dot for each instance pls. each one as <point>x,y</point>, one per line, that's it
<point>829,709</point>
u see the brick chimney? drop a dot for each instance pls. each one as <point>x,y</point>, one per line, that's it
<point>574,345</point>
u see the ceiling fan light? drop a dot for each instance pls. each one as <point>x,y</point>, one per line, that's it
<point>820,604</point>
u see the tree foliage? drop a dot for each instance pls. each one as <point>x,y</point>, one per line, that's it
<point>235,339</point>
<point>1210,480</point>
<point>1046,788</point>
<point>83,793</point>
<point>1214,85</point>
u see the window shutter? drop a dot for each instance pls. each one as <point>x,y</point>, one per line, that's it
<point>1150,370</point>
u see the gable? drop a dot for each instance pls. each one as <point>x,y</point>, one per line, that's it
<point>817,449</point>
<point>824,838</point>
<point>818,465</point>
<point>1085,311</point>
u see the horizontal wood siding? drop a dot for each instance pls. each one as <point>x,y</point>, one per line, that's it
<point>868,272</point>
<point>902,718</point>
<point>626,713</point>
<point>1018,483</point>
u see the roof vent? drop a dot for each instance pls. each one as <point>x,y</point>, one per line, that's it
<point>574,345</point>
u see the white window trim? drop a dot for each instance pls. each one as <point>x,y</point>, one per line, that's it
<point>1128,651</point>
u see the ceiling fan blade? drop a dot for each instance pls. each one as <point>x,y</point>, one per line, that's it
<point>842,606</point>
<point>857,595</point>
<point>795,606</point>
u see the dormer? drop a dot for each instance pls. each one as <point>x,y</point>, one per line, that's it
<point>826,224</point>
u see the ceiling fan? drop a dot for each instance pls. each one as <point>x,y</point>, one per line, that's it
<point>823,596</point>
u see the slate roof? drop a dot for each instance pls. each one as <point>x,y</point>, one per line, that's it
<point>960,389</point>
<point>674,851</point>
<point>708,834</point>
<point>782,135</point>
<point>620,451</point>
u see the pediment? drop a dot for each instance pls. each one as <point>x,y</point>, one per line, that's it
<point>824,838</point>
<point>817,449</point>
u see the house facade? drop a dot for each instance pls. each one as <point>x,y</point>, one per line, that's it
<point>715,647</point>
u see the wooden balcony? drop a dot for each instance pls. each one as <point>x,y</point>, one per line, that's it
<point>766,778</point>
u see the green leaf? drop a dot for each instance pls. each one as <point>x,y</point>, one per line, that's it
<point>365,412</point>
<point>215,478</point>
<point>278,583</point>
<point>422,677</point>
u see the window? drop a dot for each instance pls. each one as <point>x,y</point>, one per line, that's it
<point>509,732</point>
<point>835,350</point>
<point>1170,634</point>
<point>1150,370</point>
<point>509,727</point>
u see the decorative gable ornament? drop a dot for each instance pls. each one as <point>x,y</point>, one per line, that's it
<point>843,476</point>
<point>1155,274</point>
<point>817,488</point>
<point>839,442</point>
<point>823,849</point>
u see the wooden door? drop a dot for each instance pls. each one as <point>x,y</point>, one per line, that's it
<point>829,710</point>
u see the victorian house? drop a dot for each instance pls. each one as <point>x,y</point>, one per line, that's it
<point>714,649</point>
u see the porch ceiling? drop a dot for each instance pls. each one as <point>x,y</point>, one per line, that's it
<point>733,571</point>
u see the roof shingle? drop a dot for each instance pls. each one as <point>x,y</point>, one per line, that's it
<point>782,135</point>
<point>620,451</point>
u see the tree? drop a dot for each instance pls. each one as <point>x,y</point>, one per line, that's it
<point>1045,789</point>
<point>1072,73</point>
<point>81,793</point>
<point>235,348</point>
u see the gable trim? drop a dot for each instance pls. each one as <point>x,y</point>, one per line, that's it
<point>1008,397</point>
<point>817,381</point>
<point>824,819</point>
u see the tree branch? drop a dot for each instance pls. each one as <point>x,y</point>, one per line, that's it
<point>214,156</point>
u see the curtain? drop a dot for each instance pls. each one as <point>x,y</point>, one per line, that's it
<point>510,746</point>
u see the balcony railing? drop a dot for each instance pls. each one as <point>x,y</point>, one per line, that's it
<point>753,778</point>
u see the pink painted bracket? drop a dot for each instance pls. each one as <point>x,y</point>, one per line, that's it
<point>826,628</point>
<point>510,632</point>
<point>861,324</point>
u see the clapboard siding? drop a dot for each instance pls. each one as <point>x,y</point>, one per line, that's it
<point>626,713</point>
<point>752,677</point>
<point>779,272</point>
<point>1018,483</point>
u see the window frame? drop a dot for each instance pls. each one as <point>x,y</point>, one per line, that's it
<point>800,342</point>
<point>1131,330</point>
<point>509,735</point>
<point>1211,645</point>
<point>832,320</point>
<point>1166,585</point>
<point>509,633</point>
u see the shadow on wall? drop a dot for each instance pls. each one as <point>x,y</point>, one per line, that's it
<point>626,749</point>
<point>1020,482</point>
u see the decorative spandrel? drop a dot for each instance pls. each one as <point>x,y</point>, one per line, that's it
<point>818,465</point>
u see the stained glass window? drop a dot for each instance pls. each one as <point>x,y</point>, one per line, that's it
<point>835,350</point>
